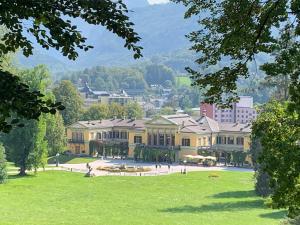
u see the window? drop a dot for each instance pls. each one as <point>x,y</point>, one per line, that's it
<point>137,140</point>
<point>185,142</point>
<point>230,140</point>
<point>99,136</point>
<point>199,141</point>
<point>123,135</point>
<point>168,140</point>
<point>149,139</point>
<point>209,140</point>
<point>117,134</point>
<point>77,136</point>
<point>154,139</point>
<point>240,141</point>
<point>161,139</point>
<point>204,141</point>
<point>219,140</point>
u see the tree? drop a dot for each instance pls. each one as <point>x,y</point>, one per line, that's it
<point>166,111</point>
<point>158,74</point>
<point>116,110</point>
<point>133,111</point>
<point>232,34</point>
<point>66,93</point>
<point>3,171</point>
<point>51,27</point>
<point>55,134</point>
<point>27,146</point>
<point>96,112</point>
<point>262,179</point>
<point>38,156</point>
<point>279,133</point>
<point>19,143</point>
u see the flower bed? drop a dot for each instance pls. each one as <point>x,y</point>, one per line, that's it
<point>119,169</point>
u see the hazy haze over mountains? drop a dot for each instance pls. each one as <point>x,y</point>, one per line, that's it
<point>161,27</point>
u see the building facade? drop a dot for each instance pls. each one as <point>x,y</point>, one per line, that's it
<point>240,112</point>
<point>177,133</point>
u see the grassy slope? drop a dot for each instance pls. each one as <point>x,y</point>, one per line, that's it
<point>69,198</point>
<point>69,159</point>
<point>183,81</point>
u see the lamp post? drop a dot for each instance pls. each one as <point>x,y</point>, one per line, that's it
<point>56,159</point>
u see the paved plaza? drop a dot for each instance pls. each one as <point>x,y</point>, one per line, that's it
<point>160,170</point>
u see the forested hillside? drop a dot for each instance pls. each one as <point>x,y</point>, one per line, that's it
<point>161,27</point>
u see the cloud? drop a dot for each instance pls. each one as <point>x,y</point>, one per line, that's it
<point>158,1</point>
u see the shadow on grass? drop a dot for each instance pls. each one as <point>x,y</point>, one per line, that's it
<point>274,215</point>
<point>17,176</point>
<point>217,207</point>
<point>235,194</point>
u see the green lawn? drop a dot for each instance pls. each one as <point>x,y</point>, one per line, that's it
<point>70,159</point>
<point>56,197</point>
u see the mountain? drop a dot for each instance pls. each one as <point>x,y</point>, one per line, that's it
<point>162,28</point>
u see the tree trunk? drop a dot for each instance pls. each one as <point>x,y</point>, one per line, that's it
<point>22,170</point>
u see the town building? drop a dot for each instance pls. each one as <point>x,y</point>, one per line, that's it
<point>179,134</point>
<point>240,112</point>
<point>92,97</point>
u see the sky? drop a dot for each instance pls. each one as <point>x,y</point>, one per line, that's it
<point>157,1</point>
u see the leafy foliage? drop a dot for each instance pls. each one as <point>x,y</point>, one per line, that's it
<point>66,93</point>
<point>96,112</point>
<point>109,78</point>
<point>104,111</point>
<point>17,101</point>
<point>3,170</point>
<point>55,134</point>
<point>279,133</point>
<point>27,146</point>
<point>133,111</point>
<point>49,23</point>
<point>158,74</point>
<point>262,179</point>
<point>237,31</point>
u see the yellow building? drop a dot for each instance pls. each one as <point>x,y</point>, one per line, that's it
<point>179,134</point>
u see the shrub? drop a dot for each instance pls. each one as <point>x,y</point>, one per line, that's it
<point>3,171</point>
<point>295,221</point>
